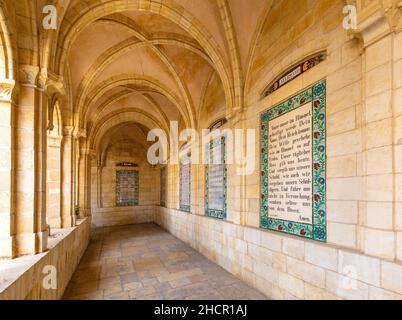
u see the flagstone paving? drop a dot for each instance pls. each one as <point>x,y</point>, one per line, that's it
<point>145,262</point>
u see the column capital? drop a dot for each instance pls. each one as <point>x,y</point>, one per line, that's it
<point>28,75</point>
<point>51,83</point>
<point>68,131</point>
<point>6,89</point>
<point>79,133</point>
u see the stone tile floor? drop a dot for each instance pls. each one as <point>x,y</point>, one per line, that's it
<point>145,262</point>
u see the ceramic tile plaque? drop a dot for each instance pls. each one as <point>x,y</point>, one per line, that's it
<point>293,165</point>
<point>127,188</point>
<point>163,187</point>
<point>215,180</point>
<point>185,185</point>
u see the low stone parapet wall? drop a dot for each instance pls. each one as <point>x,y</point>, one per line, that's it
<point>33,277</point>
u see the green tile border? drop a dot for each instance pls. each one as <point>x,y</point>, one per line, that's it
<point>317,230</point>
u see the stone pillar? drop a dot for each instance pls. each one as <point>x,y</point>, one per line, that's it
<point>84,182</point>
<point>7,218</point>
<point>381,215</point>
<point>236,182</point>
<point>99,184</point>
<point>67,204</point>
<point>76,173</point>
<point>30,167</point>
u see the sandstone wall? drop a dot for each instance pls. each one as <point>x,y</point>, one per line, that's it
<point>285,267</point>
<point>105,212</point>
<point>362,257</point>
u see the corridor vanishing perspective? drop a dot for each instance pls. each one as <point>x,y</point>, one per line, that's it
<point>145,262</point>
<point>200,149</point>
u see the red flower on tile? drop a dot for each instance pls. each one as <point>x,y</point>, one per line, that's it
<point>317,166</point>
<point>303,232</point>
<point>302,100</point>
<point>317,197</point>
<point>316,135</point>
<point>317,103</point>
<point>280,228</point>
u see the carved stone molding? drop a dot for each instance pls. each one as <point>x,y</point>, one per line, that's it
<point>80,133</point>
<point>28,75</point>
<point>51,83</point>
<point>6,89</point>
<point>377,18</point>
<point>42,78</point>
<point>235,117</point>
<point>68,131</point>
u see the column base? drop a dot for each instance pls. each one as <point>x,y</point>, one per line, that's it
<point>67,221</point>
<point>55,222</point>
<point>8,247</point>
<point>31,243</point>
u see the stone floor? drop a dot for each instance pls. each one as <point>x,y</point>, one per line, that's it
<point>145,262</point>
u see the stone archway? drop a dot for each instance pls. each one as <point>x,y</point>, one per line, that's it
<point>7,237</point>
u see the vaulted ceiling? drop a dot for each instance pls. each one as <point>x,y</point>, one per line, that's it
<point>160,60</point>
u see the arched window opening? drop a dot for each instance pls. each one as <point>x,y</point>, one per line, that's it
<point>53,189</point>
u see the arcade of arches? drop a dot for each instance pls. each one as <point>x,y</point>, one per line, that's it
<point>77,103</point>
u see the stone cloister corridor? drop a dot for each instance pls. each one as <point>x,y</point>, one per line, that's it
<point>201,149</point>
<point>145,262</point>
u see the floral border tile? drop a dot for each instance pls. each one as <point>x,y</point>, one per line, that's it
<point>317,230</point>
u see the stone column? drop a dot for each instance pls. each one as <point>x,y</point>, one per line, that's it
<point>84,187</point>
<point>76,173</point>
<point>30,168</point>
<point>7,217</point>
<point>99,184</point>
<point>67,207</point>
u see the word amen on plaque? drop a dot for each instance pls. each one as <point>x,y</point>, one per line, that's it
<point>293,165</point>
